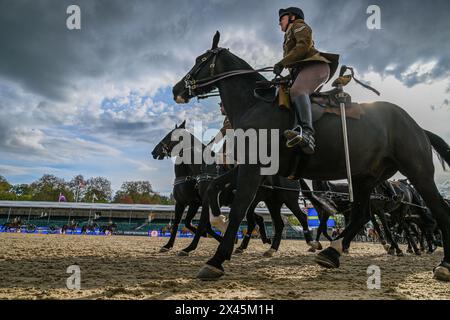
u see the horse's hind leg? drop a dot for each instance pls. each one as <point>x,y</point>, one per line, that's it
<point>290,199</point>
<point>410,238</point>
<point>389,236</point>
<point>274,207</point>
<point>262,229</point>
<point>250,227</point>
<point>426,187</point>
<point>329,257</point>
<point>192,211</point>
<point>377,228</point>
<point>203,225</point>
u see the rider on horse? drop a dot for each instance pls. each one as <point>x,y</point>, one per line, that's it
<point>222,133</point>
<point>309,68</point>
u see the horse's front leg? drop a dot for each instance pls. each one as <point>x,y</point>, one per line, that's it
<point>220,186</point>
<point>179,209</point>
<point>248,180</point>
<point>201,228</point>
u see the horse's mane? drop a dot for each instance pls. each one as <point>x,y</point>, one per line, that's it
<point>244,65</point>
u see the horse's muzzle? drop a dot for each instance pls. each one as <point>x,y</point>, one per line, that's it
<point>180,99</point>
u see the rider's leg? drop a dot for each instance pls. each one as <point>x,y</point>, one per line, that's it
<point>307,81</point>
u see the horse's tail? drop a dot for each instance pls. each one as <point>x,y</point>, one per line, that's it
<point>441,147</point>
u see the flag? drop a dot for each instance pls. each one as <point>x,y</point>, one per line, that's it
<point>62,198</point>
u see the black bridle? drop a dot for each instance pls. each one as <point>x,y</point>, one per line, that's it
<point>191,84</point>
<point>166,149</point>
<point>189,80</point>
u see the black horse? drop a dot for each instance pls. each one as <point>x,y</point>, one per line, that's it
<point>191,181</point>
<point>408,214</point>
<point>71,226</point>
<point>89,227</point>
<point>377,144</point>
<point>274,192</point>
<point>337,194</point>
<point>15,224</point>
<point>393,211</point>
<point>109,229</point>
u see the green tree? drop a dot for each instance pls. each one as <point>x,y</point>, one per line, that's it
<point>139,192</point>
<point>48,188</point>
<point>23,192</point>
<point>98,189</point>
<point>5,190</point>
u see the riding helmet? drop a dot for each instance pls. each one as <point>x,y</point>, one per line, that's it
<point>291,10</point>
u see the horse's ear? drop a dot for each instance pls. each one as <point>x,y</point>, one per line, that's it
<point>216,39</point>
<point>183,124</point>
<point>176,126</point>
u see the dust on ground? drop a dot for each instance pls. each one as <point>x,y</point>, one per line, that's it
<point>33,266</point>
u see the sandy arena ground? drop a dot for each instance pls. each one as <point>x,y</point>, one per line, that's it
<point>34,266</point>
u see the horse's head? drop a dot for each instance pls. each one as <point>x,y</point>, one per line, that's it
<point>206,66</point>
<point>164,147</point>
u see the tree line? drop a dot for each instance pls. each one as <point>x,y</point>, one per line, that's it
<point>79,189</point>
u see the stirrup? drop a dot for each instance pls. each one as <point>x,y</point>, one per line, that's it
<point>294,139</point>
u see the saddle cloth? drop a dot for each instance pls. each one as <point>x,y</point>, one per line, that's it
<point>321,102</point>
<point>352,111</point>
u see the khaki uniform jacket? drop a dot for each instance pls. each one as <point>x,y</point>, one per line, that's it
<point>298,48</point>
<point>226,125</point>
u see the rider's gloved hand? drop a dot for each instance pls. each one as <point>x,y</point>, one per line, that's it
<point>278,68</point>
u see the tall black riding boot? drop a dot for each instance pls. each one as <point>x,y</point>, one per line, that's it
<point>303,132</point>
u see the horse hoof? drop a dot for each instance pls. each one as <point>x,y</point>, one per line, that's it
<point>391,251</point>
<point>315,245</point>
<point>311,249</point>
<point>269,253</point>
<point>183,253</point>
<point>418,253</point>
<point>400,254</point>
<point>319,246</point>
<point>386,247</point>
<point>267,241</point>
<point>164,249</point>
<point>442,272</point>
<point>328,258</point>
<point>239,251</point>
<point>346,251</point>
<point>209,273</point>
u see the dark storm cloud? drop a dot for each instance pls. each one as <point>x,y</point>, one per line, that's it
<point>121,42</point>
<point>126,38</point>
<point>412,32</point>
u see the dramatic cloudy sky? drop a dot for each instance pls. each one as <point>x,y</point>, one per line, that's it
<point>95,101</point>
